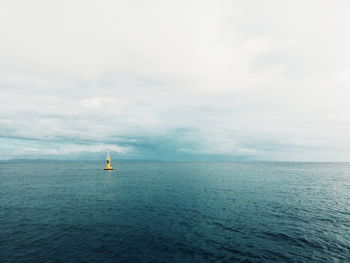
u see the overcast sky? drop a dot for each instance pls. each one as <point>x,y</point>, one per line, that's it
<point>175,80</point>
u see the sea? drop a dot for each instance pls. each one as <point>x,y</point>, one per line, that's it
<point>174,212</point>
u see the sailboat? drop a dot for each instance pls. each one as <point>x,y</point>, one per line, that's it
<point>108,162</point>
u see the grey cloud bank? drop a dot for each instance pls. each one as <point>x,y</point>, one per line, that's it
<point>175,80</point>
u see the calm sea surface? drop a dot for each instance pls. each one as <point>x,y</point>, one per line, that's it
<point>174,212</point>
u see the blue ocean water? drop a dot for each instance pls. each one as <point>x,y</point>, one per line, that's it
<point>174,212</point>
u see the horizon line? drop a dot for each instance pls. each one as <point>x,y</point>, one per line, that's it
<point>163,161</point>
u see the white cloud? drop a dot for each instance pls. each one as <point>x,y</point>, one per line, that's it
<point>267,80</point>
